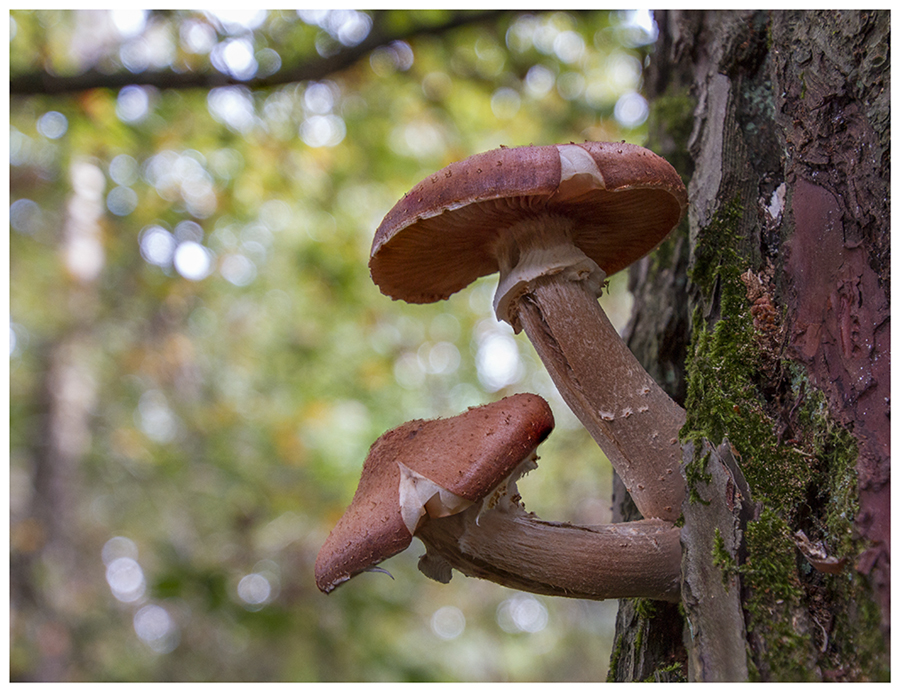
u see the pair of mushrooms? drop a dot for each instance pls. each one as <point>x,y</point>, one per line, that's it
<point>555,221</point>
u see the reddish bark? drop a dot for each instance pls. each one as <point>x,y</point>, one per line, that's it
<point>841,332</point>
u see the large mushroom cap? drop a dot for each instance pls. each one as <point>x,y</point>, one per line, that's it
<point>622,200</point>
<point>468,455</point>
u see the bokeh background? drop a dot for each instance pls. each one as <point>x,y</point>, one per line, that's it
<point>199,360</point>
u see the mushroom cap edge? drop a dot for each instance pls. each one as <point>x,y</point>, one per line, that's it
<point>439,237</point>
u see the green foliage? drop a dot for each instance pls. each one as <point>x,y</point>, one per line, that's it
<point>221,417</point>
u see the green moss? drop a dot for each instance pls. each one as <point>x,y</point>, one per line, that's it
<point>716,250</point>
<point>643,613</point>
<point>614,658</point>
<point>674,672</point>
<point>724,397</point>
<point>639,639</point>
<point>856,644</point>
<point>770,569</point>
<point>696,471</point>
<point>723,559</point>
<point>803,478</point>
<point>775,593</point>
<point>837,448</point>
<point>645,608</point>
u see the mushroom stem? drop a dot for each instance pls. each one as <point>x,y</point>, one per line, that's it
<point>453,483</point>
<point>630,417</point>
<point>640,559</point>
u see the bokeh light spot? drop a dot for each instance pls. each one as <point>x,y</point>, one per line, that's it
<point>155,417</point>
<point>126,579</point>
<point>505,103</point>
<point>157,245</point>
<point>323,131</point>
<point>132,104</point>
<point>121,201</point>
<point>254,590</point>
<point>129,22</point>
<point>522,613</point>
<point>192,260</point>
<point>631,110</point>
<point>448,622</point>
<point>52,125</point>
<point>25,216</point>
<point>155,627</point>
<point>238,270</point>
<point>497,360</point>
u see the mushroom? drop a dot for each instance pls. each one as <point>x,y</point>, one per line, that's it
<point>452,483</point>
<point>437,467</point>
<point>555,221</point>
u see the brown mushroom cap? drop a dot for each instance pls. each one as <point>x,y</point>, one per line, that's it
<point>441,236</point>
<point>469,455</point>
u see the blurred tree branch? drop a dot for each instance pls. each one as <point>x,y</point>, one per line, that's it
<point>44,83</point>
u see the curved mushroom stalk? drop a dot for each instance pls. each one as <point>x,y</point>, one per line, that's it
<point>497,540</point>
<point>550,288</point>
<point>554,221</point>
<point>630,417</point>
<point>639,559</point>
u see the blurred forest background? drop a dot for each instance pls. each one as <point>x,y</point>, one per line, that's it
<point>199,361</point>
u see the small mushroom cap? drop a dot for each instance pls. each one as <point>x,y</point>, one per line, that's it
<point>622,201</point>
<point>469,455</point>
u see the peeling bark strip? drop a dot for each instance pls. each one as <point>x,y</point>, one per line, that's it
<point>712,547</point>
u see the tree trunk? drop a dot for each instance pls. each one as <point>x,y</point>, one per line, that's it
<point>53,562</point>
<point>767,314</point>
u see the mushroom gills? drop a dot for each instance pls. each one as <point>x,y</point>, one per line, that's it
<point>503,498</point>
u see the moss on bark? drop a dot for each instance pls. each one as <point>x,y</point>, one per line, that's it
<point>800,464</point>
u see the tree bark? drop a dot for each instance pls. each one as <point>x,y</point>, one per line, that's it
<point>768,316</point>
<point>53,561</point>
